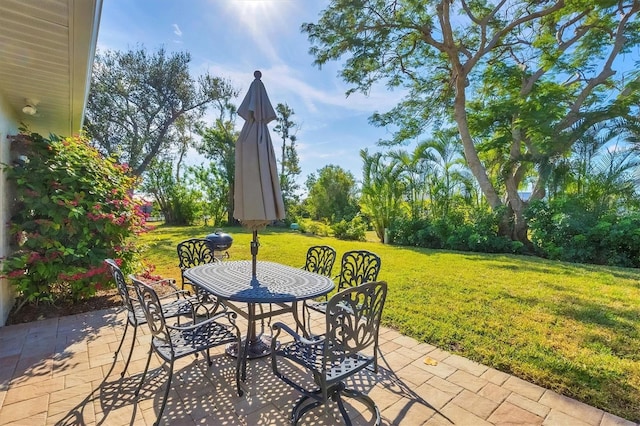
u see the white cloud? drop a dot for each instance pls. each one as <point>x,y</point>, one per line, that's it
<point>176,30</point>
<point>283,82</point>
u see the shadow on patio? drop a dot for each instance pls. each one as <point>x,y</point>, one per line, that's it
<point>55,372</point>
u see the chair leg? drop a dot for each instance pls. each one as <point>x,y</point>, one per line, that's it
<point>302,407</point>
<point>335,393</point>
<point>166,394</point>
<point>133,343</point>
<point>365,399</point>
<point>144,373</point>
<point>343,411</point>
<point>115,355</point>
<point>238,386</point>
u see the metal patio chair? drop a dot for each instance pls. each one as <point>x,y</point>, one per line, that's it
<point>195,252</point>
<point>171,342</point>
<point>349,345</point>
<point>356,267</point>
<point>175,304</point>
<point>320,259</point>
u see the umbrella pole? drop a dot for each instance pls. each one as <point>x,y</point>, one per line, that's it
<point>254,254</point>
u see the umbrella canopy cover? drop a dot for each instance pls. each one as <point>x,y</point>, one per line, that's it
<point>257,194</point>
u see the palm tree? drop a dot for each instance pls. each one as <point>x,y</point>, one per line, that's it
<point>449,177</point>
<point>382,191</point>
<point>415,170</point>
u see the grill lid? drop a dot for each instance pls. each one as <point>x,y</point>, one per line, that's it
<point>219,240</point>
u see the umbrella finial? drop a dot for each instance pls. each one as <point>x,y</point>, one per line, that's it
<point>257,74</point>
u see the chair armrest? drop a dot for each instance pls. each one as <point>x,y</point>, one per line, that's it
<point>168,281</point>
<point>298,338</point>
<point>231,316</point>
<point>176,294</point>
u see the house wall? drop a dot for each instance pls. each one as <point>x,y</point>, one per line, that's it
<point>8,126</point>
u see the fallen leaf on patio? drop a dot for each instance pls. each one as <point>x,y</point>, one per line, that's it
<point>430,361</point>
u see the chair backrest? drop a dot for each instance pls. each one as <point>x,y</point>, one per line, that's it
<point>353,321</point>
<point>357,267</point>
<point>320,259</point>
<point>194,252</point>
<point>152,308</point>
<point>121,284</point>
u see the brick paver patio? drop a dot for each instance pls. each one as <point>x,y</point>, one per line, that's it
<point>53,372</point>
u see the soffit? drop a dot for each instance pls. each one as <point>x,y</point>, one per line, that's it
<point>46,53</point>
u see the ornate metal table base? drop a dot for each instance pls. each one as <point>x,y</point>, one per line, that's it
<point>258,347</point>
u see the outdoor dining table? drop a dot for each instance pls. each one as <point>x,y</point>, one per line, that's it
<point>274,283</point>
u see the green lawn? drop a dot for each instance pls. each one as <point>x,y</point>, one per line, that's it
<point>568,327</point>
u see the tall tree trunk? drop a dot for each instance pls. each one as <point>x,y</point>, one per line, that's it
<point>470,153</point>
<point>231,205</point>
<point>513,223</point>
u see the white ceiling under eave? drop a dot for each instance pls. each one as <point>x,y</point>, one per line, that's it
<point>46,53</point>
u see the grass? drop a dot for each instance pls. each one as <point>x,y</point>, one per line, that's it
<point>571,328</point>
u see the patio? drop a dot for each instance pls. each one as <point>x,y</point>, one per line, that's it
<point>53,372</point>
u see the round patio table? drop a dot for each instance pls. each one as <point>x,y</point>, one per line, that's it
<point>232,281</point>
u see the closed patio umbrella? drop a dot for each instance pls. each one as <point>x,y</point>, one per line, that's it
<point>257,193</point>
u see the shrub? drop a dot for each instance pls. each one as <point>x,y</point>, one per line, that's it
<point>314,227</point>
<point>354,230</point>
<point>566,229</point>
<point>73,208</point>
<point>478,232</point>
<point>416,232</point>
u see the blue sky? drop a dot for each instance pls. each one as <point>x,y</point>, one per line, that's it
<point>231,39</point>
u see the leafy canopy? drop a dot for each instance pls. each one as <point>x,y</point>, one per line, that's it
<point>522,80</point>
<point>136,98</point>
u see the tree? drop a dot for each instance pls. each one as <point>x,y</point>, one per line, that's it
<point>214,187</point>
<point>183,142</point>
<point>137,97</point>
<point>521,79</point>
<point>603,172</point>
<point>178,200</point>
<point>331,194</point>
<point>289,163</point>
<point>218,144</point>
<point>382,191</point>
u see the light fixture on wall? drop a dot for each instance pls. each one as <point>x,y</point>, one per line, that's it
<point>30,107</point>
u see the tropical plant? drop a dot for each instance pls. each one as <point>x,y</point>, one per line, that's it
<point>354,230</point>
<point>289,161</point>
<point>382,191</point>
<point>415,172</point>
<point>448,179</point>
<point>73,208</point>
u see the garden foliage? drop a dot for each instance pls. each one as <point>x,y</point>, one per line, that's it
<point>464,230</point>
<point>568,229</point>
<point>72,209</point>
<point>354,230</point>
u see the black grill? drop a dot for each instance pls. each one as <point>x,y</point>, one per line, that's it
<point>219,241</point>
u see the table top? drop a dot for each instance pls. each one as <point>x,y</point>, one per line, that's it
<point>231,280</point>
